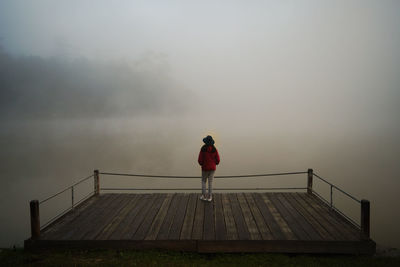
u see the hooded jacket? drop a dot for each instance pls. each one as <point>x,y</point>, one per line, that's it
<point>208,158</point>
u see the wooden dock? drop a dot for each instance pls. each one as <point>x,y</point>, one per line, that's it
<point>232,222</point>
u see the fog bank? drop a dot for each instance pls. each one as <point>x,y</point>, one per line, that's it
<point>134,86</point>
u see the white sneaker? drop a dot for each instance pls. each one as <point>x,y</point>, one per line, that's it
<point>202,197</point>
<point>209,199</point>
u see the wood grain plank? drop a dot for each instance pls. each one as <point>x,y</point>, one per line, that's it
<point>349,227</point>
<point>291,197</point>
<point>177,223</point>
<point>243,232</point>
<point>149,217</point>
<point>290,218</point>
<point>228,246</point>
<point>81,224</point>
<point>66,230</point>
<point>187,227</point>
<point>106,216</point>
<point>109,217</point>
<point>299,219</point>
<point>166,225</point>
<point>122,231</point>
<point>50,232</point>
<point>269,218</point>
<point>321,218</point>
<point>141,215</point>
<point>197,232</point>
<point>220,228</point>
<point>283,226</point>
<point>231,231</point>
<point>115,222</point>
<point>209,225</point>
<point>248,218</point>
<point>261,225</point>
<point>159,219</point>
<point>331,218</point>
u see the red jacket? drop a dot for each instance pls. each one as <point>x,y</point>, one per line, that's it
<point>208,158</point>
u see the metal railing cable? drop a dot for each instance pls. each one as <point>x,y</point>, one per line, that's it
<point>55,218</point>
<point>98,189</point>
<point>331,204</point>
<point>56,194</point>
<point>334,186</point>
<point>215,189</point>
<point>196,177</point>
<point>68,188</point>
<point>65,211</point>
<point>73,203</point>
<point>337,210</point>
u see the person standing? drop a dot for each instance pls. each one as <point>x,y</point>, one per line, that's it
<point>208,159</point>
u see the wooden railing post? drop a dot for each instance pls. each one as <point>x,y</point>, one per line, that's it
<point>96,182</point>
<point>35,219</point>
<point>365,214</point>
<point>309,180</point>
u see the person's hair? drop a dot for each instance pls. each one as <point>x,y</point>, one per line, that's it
<point>204,148</point>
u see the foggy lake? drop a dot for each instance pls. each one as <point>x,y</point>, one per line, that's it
<point>40,160</point>
<point>134,88</point>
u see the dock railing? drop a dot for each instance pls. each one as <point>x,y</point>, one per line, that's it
<point>36,227</point>
<point>363,226</point>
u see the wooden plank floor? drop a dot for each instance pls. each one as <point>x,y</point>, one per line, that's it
<point>232,222</point>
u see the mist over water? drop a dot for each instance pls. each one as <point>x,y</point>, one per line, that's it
<point>134,87</point>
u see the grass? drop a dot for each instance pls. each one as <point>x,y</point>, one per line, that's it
<point>19,257</point>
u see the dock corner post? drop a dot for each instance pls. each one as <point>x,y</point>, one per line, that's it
<point>96,182</point>
<point>365,217</point>
<point>35,219</point>
<point>309,180</point>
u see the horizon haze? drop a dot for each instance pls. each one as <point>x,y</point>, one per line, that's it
<point>134,86</point>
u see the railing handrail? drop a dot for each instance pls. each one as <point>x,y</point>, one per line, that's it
<point>64,211</point>
<point>334,186</point>
<point>337,210</point>
<point>65,189</point>
<point>233,189</point>
<point>223,188</point>
<point>35,224</point>
<point>196,177</point>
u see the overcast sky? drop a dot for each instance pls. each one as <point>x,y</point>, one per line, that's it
<point>306,62</point>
